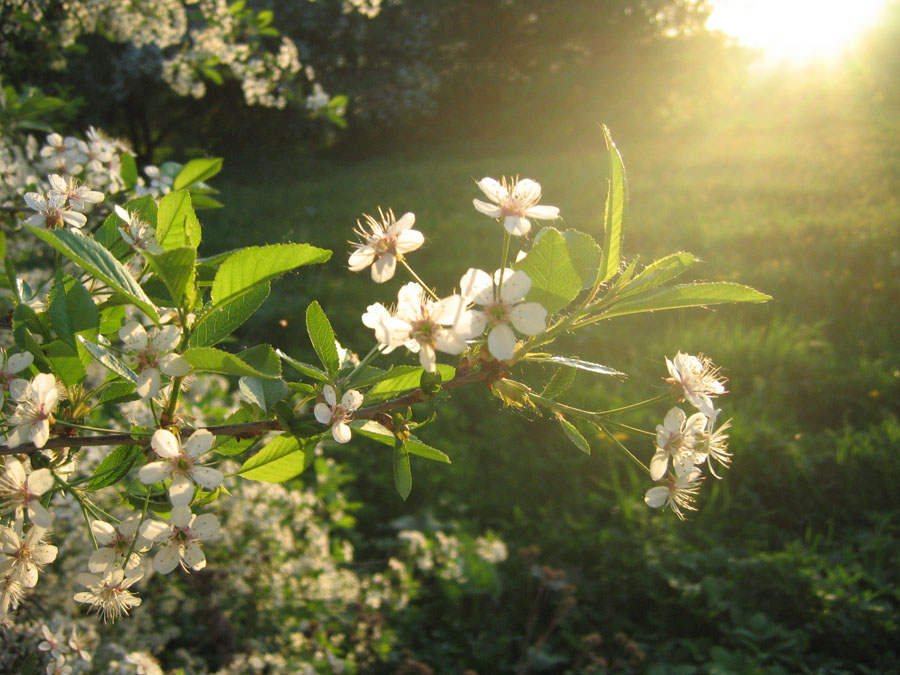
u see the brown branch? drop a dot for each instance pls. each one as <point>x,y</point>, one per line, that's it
<point>248,429</point>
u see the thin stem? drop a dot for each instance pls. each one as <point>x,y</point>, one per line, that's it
<point>634,406</point>
<point>375,351</point>
<point>137,531</point>
<point>506,239</point>
<point>418,278</point>
<point>173,401</point>
<point>623,448</point>
<point>631,428</point>
<point>100,429</point>
<point>81,503</point>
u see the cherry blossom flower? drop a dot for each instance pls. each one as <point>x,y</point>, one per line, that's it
<point>115,543</point>
<point>78,196</point>
<point>514,203</point>
<point>34,414</point>
<point>336,414</point>
<point>677,493</point>
<point>19,492</point>
<point>108,593</point>
<point>24,556</point>
<point>10,366</point>
<point>54,643</point>
<point>138,233</point>
<point>52,211</point>
<point>503,307</point>
<point>384,243</point>
<point>152,354</point>
<point>180,538</point>
<point>714,444</point>
<point>697,380</point>
<point>388,328</point>
<point>677,438</point>
<point>182,464</point>
<point>11,592</point>
<point>77,645</point>
<point>424,320</point>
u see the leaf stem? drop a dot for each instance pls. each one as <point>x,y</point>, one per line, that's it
<point>418,278</point>
<point>623,448</point>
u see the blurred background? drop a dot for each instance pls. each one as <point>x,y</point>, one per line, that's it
<point>764,137</point>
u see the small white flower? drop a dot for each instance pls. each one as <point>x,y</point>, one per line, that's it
<point>115,543</point>
<point>78,196</point>
<point>34,414</point>
<point>503,306</point>
<point>697,380</point>
<point>144,663</point>
<point>514,203</point>
<point>137,232</point>
<point>423,320</point>
<point>152,354</point>
<point>108,593</point>
<point>182,464</point>
<point>54,643</point>
<point>24,556</point>
<point>10,366</point>
<point>11,592</point>
<point>388,329</point>
<point>180,538</point>
<point>78,646</point>
<point>677,438</point>
<point>19,493</point>
<point>714,444</point>
<point>677,493</point>
<point>335,414</point>
<point>52,211</point>
<point>384,243</point>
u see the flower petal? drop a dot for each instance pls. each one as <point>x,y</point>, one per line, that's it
<point>174,365</point>
<point>154,530</point>
<point>154,472</point>
<point>330,395</point>
<point>322,413</point>
<point>494,190</point>
<point>470,324</point>
<point>542,212</point>
<point>516,285</point>
<point>361,258</point>
<point>502,342</point>
<point>167,558</point>
<point>477,286</point>
<point>180,516</point>
<point>148,383</point>
<point>491,210</point>
<point>104,533</point>
<point>134,336</point>
<point>383,269</point>
<point>181,492</point>
<point>39,515</point>
<point>207,477</point>
<point>405,222</point>
<point>199,443</point>
<point>526,192</point>
<point>19,362</point>
<point>341,432</point>
<point>205,527</point>
<point>517,225</point>
<point>194,557</point>
<point>409,241</point>
<point>351,400</point>
<point>529,318</point>
<point>165,444</point>
<point>166,338</point>
<point>656,497</point>
<point>659,464</point>
<point>40,481</point>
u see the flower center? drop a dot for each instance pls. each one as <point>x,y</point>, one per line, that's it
<point>423,330</point>
<point>497,312</point>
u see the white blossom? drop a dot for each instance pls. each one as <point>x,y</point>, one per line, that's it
<point>52,211</point>
<point>514,203</point>
<point>384,243</point>
<point>424,320</point>
<point>22,493</point>
<point>337,414</point>
<point>137,232</point>
<point>9,367</point>
<point>108,593</point>
<point>181,463</point>
<point>179,539</point>
<point>34,413</point>
<point>676,439</point>
<point>151,354</point>
<point>677,493</point>
<point>115,543</point>
<point>697,380</point>
<point>78,195</point>
<point>24,555</point>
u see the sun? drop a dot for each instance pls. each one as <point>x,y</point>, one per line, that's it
<point>796,30</point>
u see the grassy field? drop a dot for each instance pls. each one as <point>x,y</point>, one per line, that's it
<point>791,563</point>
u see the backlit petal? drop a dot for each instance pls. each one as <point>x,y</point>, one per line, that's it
<point>207,477</point>
<point>529,318</point>
<point>501,342</point>
<point>165,444</point>
<point>199,443</point>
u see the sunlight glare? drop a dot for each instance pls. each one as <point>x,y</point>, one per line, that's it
<point>795,30</point>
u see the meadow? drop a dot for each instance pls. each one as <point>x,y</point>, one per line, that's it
<point>790,565</point>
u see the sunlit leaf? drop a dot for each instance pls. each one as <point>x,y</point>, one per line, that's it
<point>554,279</point>
<point>197,170</point>
<point>283,458</point>
<point>685,295</point>
<point>214,360</point>
<point>218,324</point>
<point>573,434</point>
<point>402,472</point>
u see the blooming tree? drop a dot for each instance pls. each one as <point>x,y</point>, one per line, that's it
<point>102,351</point>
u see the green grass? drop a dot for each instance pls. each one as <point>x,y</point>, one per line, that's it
<point>791,563</point>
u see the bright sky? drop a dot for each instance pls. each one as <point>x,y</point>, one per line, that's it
<point>796,30</point>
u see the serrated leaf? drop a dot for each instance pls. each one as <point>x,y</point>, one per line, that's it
<point>416,447</point>
<point>204,201</point>
<point>402,473</point>
<point>573,434</point>
<point>117,392</point>
<point>177,224</point>
<point>197,170</point>
<point>214,360</point>
<point>305,368</point>
<point>114,466</point>
<point>554,279</point>
<point>263,392</point>
<point>145,207</point>
<point>175,268</point>
<point>218,324</point>
<point>128,170</point>
<point>658,272</point>
<point>99,262</point>
<point>366,376</point>
<point>373,430</point>
<point>404,378</point>
<point>72,310</point>
<point>321,335</point>
<point>250,266</point>
<point>65,362</point>
<point>583,365</point>
<point>614,216</point>
<point>110,360</point>
<point>231,445</point>
<point>281,459</point>
<point>559,384</point>
<point>585,255</point>
<point>685,295</point>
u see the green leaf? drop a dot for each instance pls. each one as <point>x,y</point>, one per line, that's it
<point>117,392</point>
<point>177,224</point>
<point>114,466</point>
<point>110,360</point>
<point>112,319</point>
<point>231,445</point>
<point>263,392</point>
<point>99,262</point>
<point>685,295</point>
<point>373,430</point>
<point>559,384</point>
<point>573,434</point>
<point>65,362</point>
<point>221,322</point>
<point>197,170</point>
<point>129,171</point>
<point>214,360</point>
<point>176,269</point>
<point>416,447</point>
<point>402,472</point>
<point>322,337</point>
<point>72,310</point>
<point>583,365</point>
<point>2,245</point>
<point>658,272</point>
<point>585,255</point>
<point>404,378</point>
<point>250,266</point>
<point>280,460</point>
<point>305,368</point>
<point>145,207</point>
<point>204,201</point>
<point>554,280</point>
<point>614,217</point>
